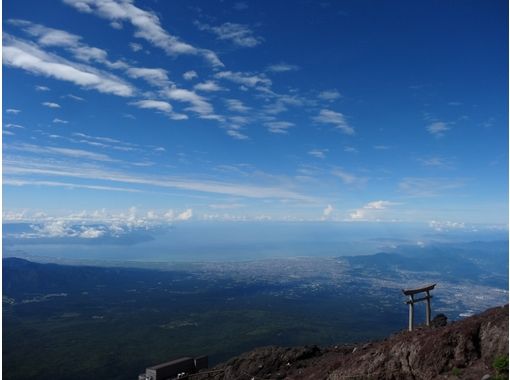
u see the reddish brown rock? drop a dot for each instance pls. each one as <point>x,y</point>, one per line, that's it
<point>465,349</point>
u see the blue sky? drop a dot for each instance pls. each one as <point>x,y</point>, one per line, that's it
<point>141,113</point>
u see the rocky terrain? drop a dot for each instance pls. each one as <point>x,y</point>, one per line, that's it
<point>473,348</point>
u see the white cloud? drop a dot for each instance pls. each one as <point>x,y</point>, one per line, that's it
<point>348,178</point>
<point>12,110</point>
<point>438,128</point>
<point>59,121</point>
<point>19,167</point>
<point>336,118</point>
<point>280,127</point>
<point>329,95</point>
<point>10,125</point>
<point>185,215</point>
<point>116,25</point>
<point>281,67</point>
<point>238,34</point>
<point>74,97</point>
<point>47,36</point>
<point>318,153</point>
<point>435,161</point>
<point>68,152</point>
<point>378,205</point>
<point>42,88</point>
<point>67,185</point>
<point>208,86</point>
<point>197,102</point>
<point>246,79</point>
<point>14,216</point>
<point>51,105</point>
<point>93,224</point>
<point>428,187</point>
<point>146,24</point>
<point>236,105</point>
<point>350,149</point>
<point>154,104</point>
<point>54,229</point>
<point>225,206</point>
<point>154,76</point>
<point>371,211</point>
<point>236,134</point>
<point>88,53</point>
<point>444,226</point>
<point>91,233</point>
<point>71,42</point>
<point>189,75</point>
<point>135,46</point>
<point>26,56</point>
<point>326,213</point>
<point>161,106</point>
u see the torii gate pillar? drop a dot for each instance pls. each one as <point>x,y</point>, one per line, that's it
<point>412,301</point>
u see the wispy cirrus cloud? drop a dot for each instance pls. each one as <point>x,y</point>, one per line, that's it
<point>154,76</point>
<point>236,105</point>
<point>59,151</point>
<point>438,128</point>
<point>11,125</point>
<point>335,118</point>
<point>146,24</point>
<point>349,178</point>
<point>157,77</point>
<point>154,104</point>
<point>74,97</point>
<point>318,153</point>
<point>190,75</point>
<point>19,167</point>
<point>238,34</point>
<point>429,187</point>
<point>161,106</point>
<point>329,95</point>
<point>135,46</point>
<point>197,103</point>
<point>67,185</point>
<point>28,56</point>
<point>246,79</point>
<point>51,104</point>
<point>47,36</point>
<point>50,37</point>
<point>279,127</point>
<point>281,67</point>
<point>436,161</point>
<point>208,86</point>
<point>234,132</point>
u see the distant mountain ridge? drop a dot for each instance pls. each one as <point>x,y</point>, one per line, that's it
<point>22,276</point>
<point>473,348</point>
<point>488,265</point>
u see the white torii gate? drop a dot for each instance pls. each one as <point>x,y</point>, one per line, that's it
<point>412,301</point>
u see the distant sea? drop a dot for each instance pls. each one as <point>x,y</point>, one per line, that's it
<point>240,241</point>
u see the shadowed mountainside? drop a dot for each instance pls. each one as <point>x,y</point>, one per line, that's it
<point>465,349</point>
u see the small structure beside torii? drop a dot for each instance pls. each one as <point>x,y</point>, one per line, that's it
<point>411,293</point>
